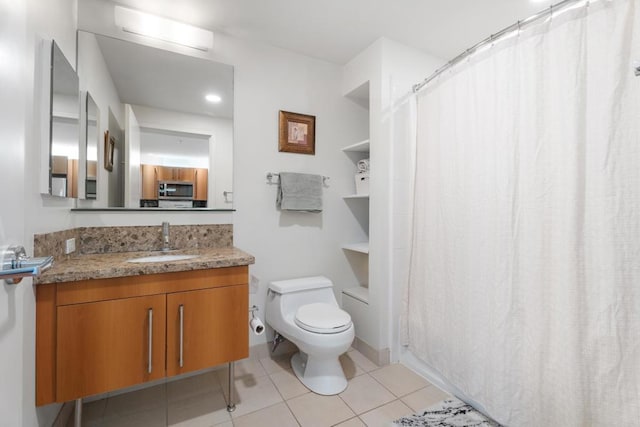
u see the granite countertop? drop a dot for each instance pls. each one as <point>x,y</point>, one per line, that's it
<point>115,264</point>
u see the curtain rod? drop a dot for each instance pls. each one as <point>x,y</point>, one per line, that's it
<point>492,38</point>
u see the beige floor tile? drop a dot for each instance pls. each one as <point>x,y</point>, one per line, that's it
<point>148,399</point>
<point>226,424</point>
<point>314,410</point>
<point>425,397</point>
<point>362,361</point>
<point>246,370</point>
<point>399,379</point>
<point>193,386</point>
<point>384,415</point>
<point>93,412</point>
<point>350,367</point>
<point>253,394</point>
<point>198,410</point>
<point>277,415</point>
<point>147,418</point>
<point>288,384</point>
<point>276,364</point>
<point>364,393</point>
<point>353,422</point>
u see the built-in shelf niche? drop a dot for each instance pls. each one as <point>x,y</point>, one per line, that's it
<point>358,147</point>
<point>362,248</point>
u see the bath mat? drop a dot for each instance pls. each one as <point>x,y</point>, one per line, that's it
<point>448,413</point>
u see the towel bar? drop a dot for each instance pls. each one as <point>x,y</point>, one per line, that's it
<point>272,175</point>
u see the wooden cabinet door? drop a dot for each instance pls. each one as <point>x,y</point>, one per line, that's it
<point>214,329</point>
<point>149,182</point>
<point>201,184</point>
<point>59,165</point>
<point>185,174</point>
<point>92,169</point>
<point>103,346</point>
<point>72,178</point>
<point>165,173</point>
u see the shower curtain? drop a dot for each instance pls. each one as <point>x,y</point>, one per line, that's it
<point>524,289</point>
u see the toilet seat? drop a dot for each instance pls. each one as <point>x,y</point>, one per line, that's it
<point>322,318</point>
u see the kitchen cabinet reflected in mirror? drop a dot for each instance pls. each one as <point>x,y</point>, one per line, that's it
<point>93,137</point>
<point>173,148</point>
<point>64,126</point>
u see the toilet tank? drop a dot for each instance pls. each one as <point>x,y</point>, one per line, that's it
<point>288,295</point>
<point>300,284</point>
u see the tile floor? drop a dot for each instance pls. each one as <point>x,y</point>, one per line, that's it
<point>268,394</point>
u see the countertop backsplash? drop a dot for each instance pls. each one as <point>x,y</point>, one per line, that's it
<point>96,240</point>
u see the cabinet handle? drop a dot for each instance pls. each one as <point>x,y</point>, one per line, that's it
<point>181,310</point>
<point>149,367</point>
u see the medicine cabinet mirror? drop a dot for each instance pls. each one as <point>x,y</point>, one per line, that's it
<point>169,145</point>
<point>64,126</point>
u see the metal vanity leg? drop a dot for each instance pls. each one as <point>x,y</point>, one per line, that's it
<point>78,413</point>
<point>231,406</point>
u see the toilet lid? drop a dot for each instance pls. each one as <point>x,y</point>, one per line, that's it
<point>322,318</point>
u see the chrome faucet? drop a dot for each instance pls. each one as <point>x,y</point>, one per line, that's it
<point>165,237</point>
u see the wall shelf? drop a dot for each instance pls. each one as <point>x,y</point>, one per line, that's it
<point>360,293</point>
<point>360,147</point>
<point>356,196</point>
<point>357,247</point>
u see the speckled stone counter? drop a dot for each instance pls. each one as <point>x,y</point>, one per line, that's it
<point>103,252</point>
<point>116,264</point>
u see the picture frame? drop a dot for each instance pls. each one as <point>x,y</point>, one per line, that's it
<point>109,147</point>
<point>297,133</point>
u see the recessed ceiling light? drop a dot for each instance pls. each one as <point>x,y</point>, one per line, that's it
<point>213,98</point>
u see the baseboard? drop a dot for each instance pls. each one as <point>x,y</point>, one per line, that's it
<point>379,357</point>
<point>65,413</point>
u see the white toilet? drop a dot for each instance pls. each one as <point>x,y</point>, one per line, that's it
<point>305,312</point>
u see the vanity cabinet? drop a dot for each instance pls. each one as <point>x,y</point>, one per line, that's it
<point>109,345</point>
<point>99,335</point>
<point>203,328</point>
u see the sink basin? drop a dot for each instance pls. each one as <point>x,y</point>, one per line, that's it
<point>162,258</point>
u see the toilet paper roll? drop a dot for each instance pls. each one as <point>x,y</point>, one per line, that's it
<point>257,326</point>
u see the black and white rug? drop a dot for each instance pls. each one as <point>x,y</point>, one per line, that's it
<point>448,413</point>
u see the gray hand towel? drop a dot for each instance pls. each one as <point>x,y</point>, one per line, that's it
<point>299,192</point>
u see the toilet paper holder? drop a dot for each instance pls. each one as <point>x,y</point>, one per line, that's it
<point>255,323</point>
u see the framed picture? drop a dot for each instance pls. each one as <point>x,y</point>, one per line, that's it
<point>297,133</point>
<point>109,146</point>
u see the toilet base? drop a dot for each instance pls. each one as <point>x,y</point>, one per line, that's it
<point>322,376</point>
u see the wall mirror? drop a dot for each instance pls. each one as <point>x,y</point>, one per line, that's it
<point>93,139</point>
<point>64,126</point>
<point>167,126</point>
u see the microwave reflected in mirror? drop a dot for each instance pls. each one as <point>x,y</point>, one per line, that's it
<point>174,167</point>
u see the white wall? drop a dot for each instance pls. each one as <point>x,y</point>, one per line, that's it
<point>22,207</point>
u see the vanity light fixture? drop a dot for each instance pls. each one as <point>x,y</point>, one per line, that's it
<point>136,22</point>
<point>213,98</point>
